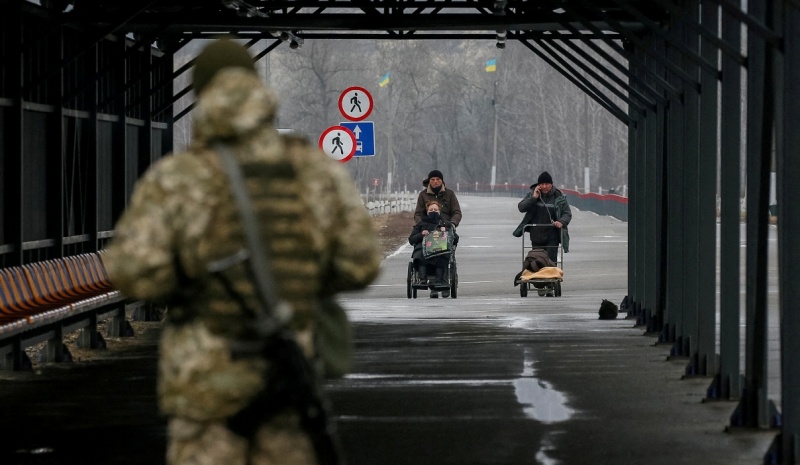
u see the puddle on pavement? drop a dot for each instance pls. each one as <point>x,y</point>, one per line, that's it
<point>538,398</point>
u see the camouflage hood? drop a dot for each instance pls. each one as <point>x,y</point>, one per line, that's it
<point>235,105</point>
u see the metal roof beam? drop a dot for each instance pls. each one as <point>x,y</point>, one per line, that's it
<point>703,31</point>
<point>553,47</point>
<point>636,41</point>
<point>660,31</point>
<point>663,83</point>
<point>597,96</point>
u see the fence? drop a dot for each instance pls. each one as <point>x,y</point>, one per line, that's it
<point>609,204</point>
<point>393,202</point>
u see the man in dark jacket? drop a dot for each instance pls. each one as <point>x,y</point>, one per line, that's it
<point>546,205</point>
<point>436,190</point>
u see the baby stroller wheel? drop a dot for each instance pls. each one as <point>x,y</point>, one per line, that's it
<point>410,280</point>
<point>453,280</point>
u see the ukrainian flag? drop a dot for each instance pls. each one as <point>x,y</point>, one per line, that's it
<point>491,66</point>
<point>384,80</point>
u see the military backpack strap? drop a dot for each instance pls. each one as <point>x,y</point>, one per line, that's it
<point>294,379</point>
<point>278,311</point>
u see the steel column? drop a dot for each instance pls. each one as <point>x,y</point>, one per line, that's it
<point>686,343</point>
<point>12,169</point>
<point>703,361</point>
<point>633,151</point>
<point>56,155</point>
<point>676,245</point>
<point>754,410</point>
<point>728,384</point>
<point>638,190</point>
<point>650,207</point>
<point>788,180</point>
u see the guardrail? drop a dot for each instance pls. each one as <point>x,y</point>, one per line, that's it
<point>606,204</point>
<point>44,301</point>
<point>603,204</point>
<point>48,318</point>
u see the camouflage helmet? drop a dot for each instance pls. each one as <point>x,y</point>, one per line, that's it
<point>222,53</point>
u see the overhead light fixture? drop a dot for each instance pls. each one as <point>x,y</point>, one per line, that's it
<point>295,42</point>
<point>500,10</point>
<point>501,39</point>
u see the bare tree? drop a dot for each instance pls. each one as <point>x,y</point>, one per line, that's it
<point>438,111</point>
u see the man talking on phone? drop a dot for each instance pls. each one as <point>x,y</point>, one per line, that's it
<point>548,206</point>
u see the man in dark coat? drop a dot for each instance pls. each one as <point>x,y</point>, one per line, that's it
<point>436,190</point>
<point>546,205</point>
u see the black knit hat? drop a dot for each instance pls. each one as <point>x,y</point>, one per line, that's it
<point>435,174</point>
<point>545,178</point>
<point>223,53</point>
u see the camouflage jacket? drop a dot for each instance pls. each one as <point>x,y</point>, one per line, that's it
<point>183,216</point>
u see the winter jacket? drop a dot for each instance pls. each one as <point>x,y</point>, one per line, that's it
<point>416,237</point>
<point>450,209</point>
<point>555,200</point>
<point>176,241</point>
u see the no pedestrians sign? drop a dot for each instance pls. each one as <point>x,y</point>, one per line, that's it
<point>338,142</point>
<point>355,103</point>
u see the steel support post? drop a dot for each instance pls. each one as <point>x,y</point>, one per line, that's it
<point>754,410</point>
<point>88,337</point>
<point>638,190</point>
<point>57,162</point>
<point>703,362</point>
<point>650,210</point>
<point>54,349</point>
<point>787,445</point>
<point>169,65</point>
<point>674,298</point>
<point>633,137</point>
<point>120,166</point>
<point>686,335</point>
<point>94,162</point>
<point>12,159</point>
<point>728,384</point>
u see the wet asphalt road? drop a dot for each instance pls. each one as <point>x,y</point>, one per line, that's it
<point>487,378</point>
<point>494,378</point>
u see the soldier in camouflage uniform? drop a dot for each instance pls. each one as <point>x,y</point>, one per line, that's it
<point>183,218</point>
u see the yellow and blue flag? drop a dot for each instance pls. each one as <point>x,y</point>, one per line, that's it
<point>384,80</point>
<point>491,66</point>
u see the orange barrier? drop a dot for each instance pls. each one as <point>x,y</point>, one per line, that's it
<point>30,290</point>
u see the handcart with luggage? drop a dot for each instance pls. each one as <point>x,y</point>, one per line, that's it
<point>545,280</point>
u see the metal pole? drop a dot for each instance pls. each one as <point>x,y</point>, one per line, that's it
<point>494,159</point>
<point>788,168</point>
<point>728,384</point>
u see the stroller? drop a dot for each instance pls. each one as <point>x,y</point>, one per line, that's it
<point>546,282</point>
<point>446,248</point>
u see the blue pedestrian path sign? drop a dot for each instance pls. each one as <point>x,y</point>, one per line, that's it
<point>365,137</point>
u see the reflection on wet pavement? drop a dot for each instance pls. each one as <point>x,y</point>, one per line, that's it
<point>541,402</point>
